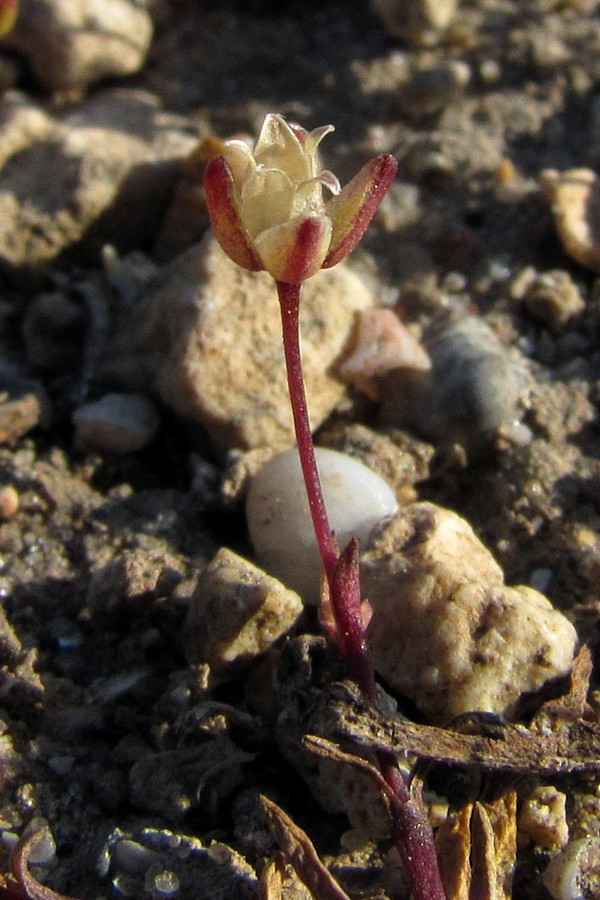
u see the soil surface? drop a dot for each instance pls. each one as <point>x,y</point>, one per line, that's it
<point>146,772</point>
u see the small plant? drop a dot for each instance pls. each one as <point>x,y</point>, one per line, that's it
<point>268,212</point>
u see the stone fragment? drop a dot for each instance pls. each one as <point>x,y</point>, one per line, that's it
<point>431,89</point>
<point>446,631</point>
<point>420,21</point>
<point>21,411</point>
<point>70,45</point>
<point>9,501</point>
<point>574,873</point>
<point>102,174</point>
<point>381,344</point>
<point>208,335</point>
<point>131,583</point>
<point>280,523</point>
<point>543,818</point>
<point>553,298</point>
<point>116,423</point>
<point>236,613</point>
<point>574,197</point>
<point>23,123</point>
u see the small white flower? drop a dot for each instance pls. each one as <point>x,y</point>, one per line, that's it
<point>268,207</point>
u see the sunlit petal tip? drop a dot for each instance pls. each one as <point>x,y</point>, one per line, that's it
<point>222,204</point>
<point>294,251</point>
<point>8,15</point>
<point>352,210</point>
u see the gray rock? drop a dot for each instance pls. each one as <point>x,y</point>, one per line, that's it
<point>116,423</point>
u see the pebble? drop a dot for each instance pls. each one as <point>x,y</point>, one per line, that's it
<point>131,856</point>
<point>23,123</point>
<point>420,21</point>
<point>573,874</point>
<point>207,334</point>
<point>9,501</point>
<point>543,818</point>
<point>20,414</point>
<point>553,298</point>
<point>236,613</point>
<point>431,89</point>
<point>279,519</point>
<point>446,631</point>
<point>69,45</point>
<point>116,423</point>
<point>122,152</point>
<point>381,344</point>
<point>472,390</point>
<point>574,197</point>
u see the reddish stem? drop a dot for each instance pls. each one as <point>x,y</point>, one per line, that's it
<point>289,300</point>
<point>411,828</point>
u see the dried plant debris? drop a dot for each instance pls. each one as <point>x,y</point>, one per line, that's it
<point>297,846</point>
<point>477,849</point>
<point>495,746</point>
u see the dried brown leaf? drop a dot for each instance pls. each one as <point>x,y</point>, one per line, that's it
<point>453,846</point>
<point>298,848</point>
<point>571,706</point>
<point>477,849</point>
<point>271,882</point>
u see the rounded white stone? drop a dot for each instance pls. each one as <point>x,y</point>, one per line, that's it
<point>279,518</point>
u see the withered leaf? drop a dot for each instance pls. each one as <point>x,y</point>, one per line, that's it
<point>476,848</point>
<point>343,715</point>
<point>300,851</point>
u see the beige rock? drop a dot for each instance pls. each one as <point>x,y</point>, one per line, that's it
<point>23,123</point>
<point>70,45</point>
<point>574,196</point>
<point>543,818</point>
<point>208,334</point>
<point>551,297</point>
<point>23,406</point>
<point>421,21</point>
<point>446,631</point>
<point>103,173</point>
<point>237,612</point>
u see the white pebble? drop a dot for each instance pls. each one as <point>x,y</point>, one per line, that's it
<point>132,857</point>
<point>279,518</point>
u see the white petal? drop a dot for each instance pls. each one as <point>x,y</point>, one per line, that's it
<point>239,159</point>
<point>278,147</point>
<point>266,200</point>
<point>311,144</point>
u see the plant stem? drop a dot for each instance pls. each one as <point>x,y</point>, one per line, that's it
<point>289,300</point>
<point>411,829</point>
